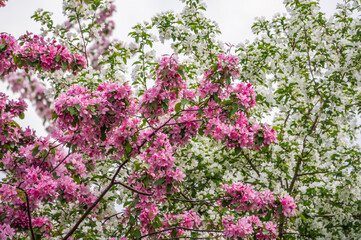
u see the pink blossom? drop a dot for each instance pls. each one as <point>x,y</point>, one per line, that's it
<point>6,232</point>
<point>288,206</point>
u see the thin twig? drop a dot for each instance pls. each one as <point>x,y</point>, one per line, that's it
<point>61,162</point>
<point>183,228</point>
<point>250,162</point>
<point>82,36</point>
<point>311,173</point>
<point>133,189</point>
<point>196,200</point>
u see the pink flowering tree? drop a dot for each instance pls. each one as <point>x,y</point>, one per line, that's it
<point>161,154</point>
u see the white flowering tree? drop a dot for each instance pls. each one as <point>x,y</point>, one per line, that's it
<point>308,68</point>
<point>177,150</point>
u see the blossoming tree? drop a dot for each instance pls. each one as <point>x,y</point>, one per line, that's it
<point>177,150</point>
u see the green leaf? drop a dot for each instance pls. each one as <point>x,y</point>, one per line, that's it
<point>102,132</point>
<point>177,107</point>
<point>146,165</point>
<point>43,153</point>
<point>153,106</point>
<point>135,201</point>
<point>137,234</point>
<point>64,65</point>
<point>132,220</point>
<point>2,217</point>
<point>154,225</point>
<point>146,181</point>
<point>174,234</point>
<point>71,110</point>
<point>181,73</point>
<point>73,148</point>
<point>267,217</point>
<point>53,152</point>
<point>57,58</point>
<point>184,102</point>
<point>77,106</point>
<point>96,119</point>
<point>21,115</point>
<point>35,151</point>
<point>128,147</point>
<point>164,105</point>
<point>169,188</point>
<point>33,64</point>
<point>21,195</point>
<point>54,115</point>
<point>160,181</point>
<point>2,47</point>
<point>302,217</point>
<point>234,108</point>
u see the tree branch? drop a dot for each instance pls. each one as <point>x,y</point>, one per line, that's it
<point>88,211</point>
<point>82,36</point>
<point>113,182</point>
<point>311,173</point>
<point>250,163</point>
<point>183,228</point>
<point>29,215</point>
<point>133,189</point>
<point>196,200</point>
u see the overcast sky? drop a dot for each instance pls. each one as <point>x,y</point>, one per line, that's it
<point>235,18</point>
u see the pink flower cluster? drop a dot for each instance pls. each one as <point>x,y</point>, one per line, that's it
<point>228,64</point>
<point>48,54</point>
<point>241,133</point>
<point>288,206</point>
<point>149,212</point>
<point>217,79</point>
<point>246,227</point>
<point>8,46</point>
<point>155,102</point>
<point>243,198</point>
<point>2,3</point>
<point>160,159</point>
<point>184,128</point>
<point>87,116</point>
<point>244,95</point>
<point>123,137</point>
<point>188,219</point>
<point>159,176</point>
<point>168,74</point>
<point>6,232</point>
<point>35,53</point>
<point>9,109</point>
<point>227,106</point>
<point>169,84</point>
<point>269,135</point>
<point>45,176</point>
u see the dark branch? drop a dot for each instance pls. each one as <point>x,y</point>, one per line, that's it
<point>183,228</point>
<point>133,189</point>
<point>29,216</point>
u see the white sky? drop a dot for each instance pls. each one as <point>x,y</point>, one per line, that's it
<point>235,18</point>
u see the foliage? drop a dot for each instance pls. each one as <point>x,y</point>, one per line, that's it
<point>178,149</point>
